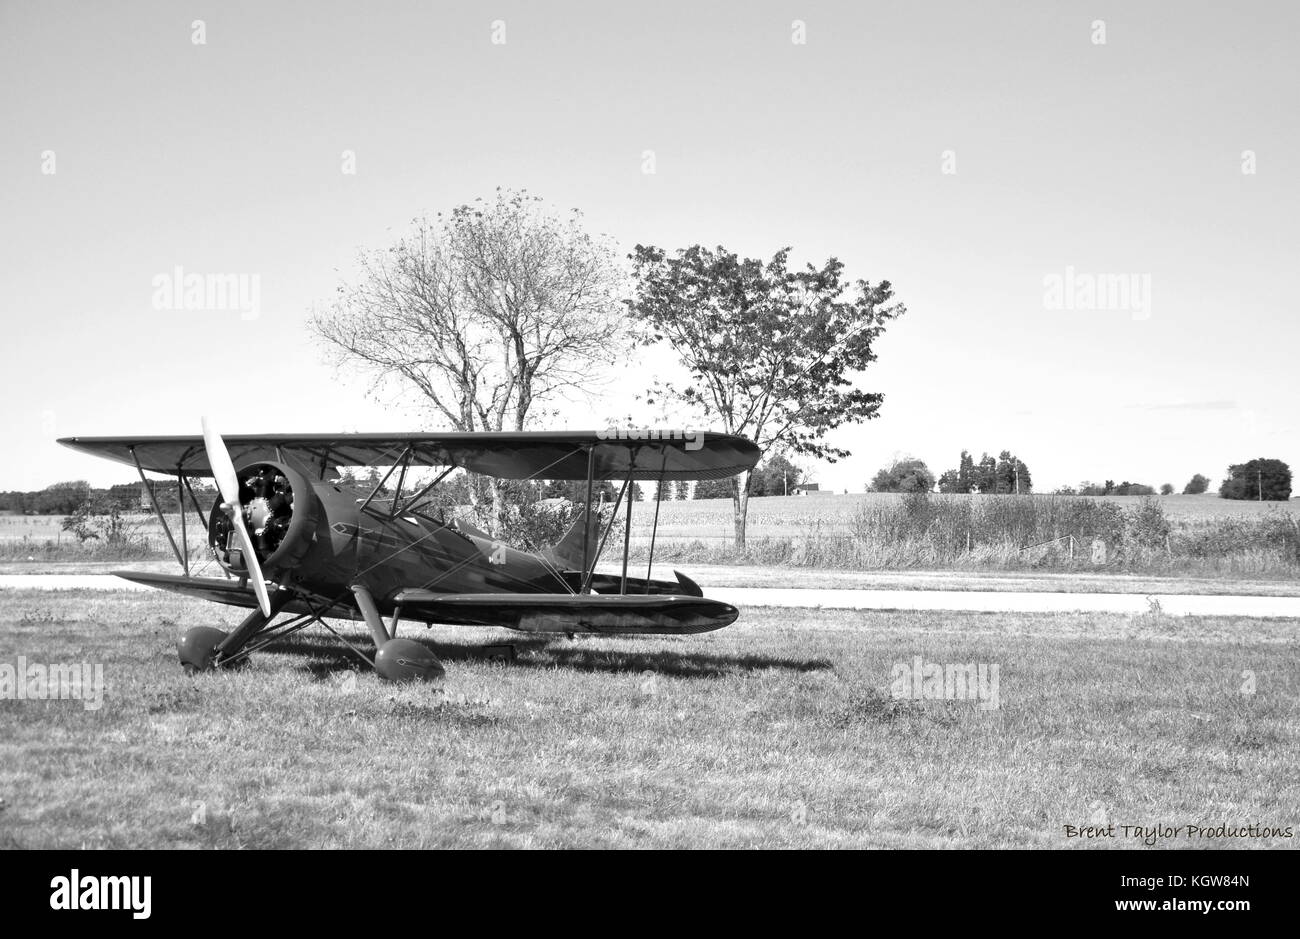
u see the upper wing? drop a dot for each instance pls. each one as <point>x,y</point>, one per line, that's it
<point>506,455</point>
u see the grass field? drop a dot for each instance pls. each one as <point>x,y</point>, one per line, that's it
<point>1207,536</point>
<point>790,517</point>
<point>1169,537</point>
<point>711,518</point>
<point>779,732</point>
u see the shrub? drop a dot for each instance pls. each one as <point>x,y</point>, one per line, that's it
<point>1147,526</point>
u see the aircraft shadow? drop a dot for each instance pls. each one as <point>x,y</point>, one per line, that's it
<point>331,656</point>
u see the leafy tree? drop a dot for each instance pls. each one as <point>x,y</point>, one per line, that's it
<point>62,498</point>
<point>775,477</point>
<point>771,353</point>
<point>965,472</point>
<point>1196,485</point>
<point>1127,488</point>
<point>714,489</point>
<point>986,475</point>
<point>1167,489</point>
<point>1264,479</point>
<point>1007,474</point>
<point>905,475</point>
<point>1012,475</point>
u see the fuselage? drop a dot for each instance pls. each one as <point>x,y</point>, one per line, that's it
<point>330,538</point>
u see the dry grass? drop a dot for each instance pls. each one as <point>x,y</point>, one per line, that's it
<point>789,517</point>
<point>41,539</point>
<point>775,732</point>
<point>881,532</point>
<point>1171,536</point>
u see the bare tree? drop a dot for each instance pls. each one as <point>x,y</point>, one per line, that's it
<point>490,312</point>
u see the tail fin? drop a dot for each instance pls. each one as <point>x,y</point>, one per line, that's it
<point>566,554</point>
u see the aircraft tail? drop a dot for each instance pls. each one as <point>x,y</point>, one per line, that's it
<point>566,554</point>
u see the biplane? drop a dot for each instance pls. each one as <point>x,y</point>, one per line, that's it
<point>296,548</point>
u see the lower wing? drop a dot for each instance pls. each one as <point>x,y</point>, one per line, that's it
<point>571,613</point>
<point>647,614</point>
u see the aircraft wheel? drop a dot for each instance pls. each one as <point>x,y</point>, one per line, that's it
<point>407,660</point>
<point>198,648</point>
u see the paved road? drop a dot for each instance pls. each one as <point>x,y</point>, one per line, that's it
<point>1009,601</point>
<point>962,600</point>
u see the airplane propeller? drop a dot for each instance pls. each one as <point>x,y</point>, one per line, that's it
<point>223,471</point>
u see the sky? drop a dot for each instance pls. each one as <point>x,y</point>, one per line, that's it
<point>991,161</point>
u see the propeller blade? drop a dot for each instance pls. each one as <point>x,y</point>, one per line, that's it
<point>250,561</point>
<point>223,472</point>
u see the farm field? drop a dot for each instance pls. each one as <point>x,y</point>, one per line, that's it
<point>792,516</point>
<point>771,516</point>
<point>778,732</point>
<point>1198,539</point>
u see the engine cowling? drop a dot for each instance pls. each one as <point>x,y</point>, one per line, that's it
<point>281,511</point>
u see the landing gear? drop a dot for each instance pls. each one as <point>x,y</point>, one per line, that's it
<point>205,648</point>
<point>198,648</point>
<point>407,660</point>
<point>395,659</point>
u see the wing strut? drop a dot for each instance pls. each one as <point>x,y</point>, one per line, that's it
<point>198,510</point>
<point>627,531</point>
<point>586,517</point>
<point>654,529</point>
<point>589,570</point>
<point>153,500</point>
<point>402,461</point>
<point>185,539</point>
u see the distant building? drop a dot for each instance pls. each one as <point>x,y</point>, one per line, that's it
<point>808,489</point>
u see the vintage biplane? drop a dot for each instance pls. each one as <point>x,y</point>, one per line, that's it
<point>295,546</point>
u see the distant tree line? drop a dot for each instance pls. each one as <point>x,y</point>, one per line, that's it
<point>66,498</point>
<point>1006,474</point>
<point>1262,479</point>
<point>1108,488</point>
